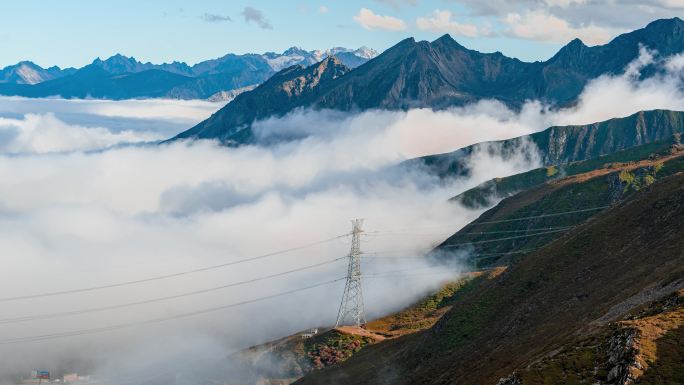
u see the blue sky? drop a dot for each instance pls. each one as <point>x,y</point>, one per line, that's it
<point>74,32</point>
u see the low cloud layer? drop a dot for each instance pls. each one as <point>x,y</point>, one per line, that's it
<point>39,126</point>
<point>76,218</point>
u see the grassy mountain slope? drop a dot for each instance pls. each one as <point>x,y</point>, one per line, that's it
<point>288,359</point>
<point>498,188</point>
<point>565,144</point>
<point>589,277</point>
<point>644,347</point>
<point>498,236</point>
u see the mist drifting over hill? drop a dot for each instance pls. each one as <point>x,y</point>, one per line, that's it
<point>89,198</point>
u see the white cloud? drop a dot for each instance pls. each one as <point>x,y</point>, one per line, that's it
<point>252,14</point>
<point>84,218</point>
<point>675,64</point>
<point>215,18</point>
<point>323,9</point>
<point>441,22</point>
<point>580,13</point>
<point>370,21</point>
<point>564,3</point>
<point>540,25</point>
<point>675,4</point>
<point>39,134</point>
<point>67,125</point>
<point>184,111</point>
<point>398,3</point>
<point>121,213</point>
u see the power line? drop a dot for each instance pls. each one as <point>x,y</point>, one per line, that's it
<point>487,255</point>
<point>378,233</point>
<point>382,234</point>
<point>540,216</point>
<point>488,222</point>
<point>156,320</point>
<point>167,276</point>
<point>379,273</point>
<point>407,275</point>
<point>471,243</point>
<point>513,231</point>
<point>160,299</point>
<point>371,256</point>
<point>500,239</point>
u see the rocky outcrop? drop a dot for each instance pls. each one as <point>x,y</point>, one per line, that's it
<point>292,87</point>
<point>510,380</point>
<point>622,365</point>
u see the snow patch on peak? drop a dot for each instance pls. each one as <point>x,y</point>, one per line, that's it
<point>296,55</point>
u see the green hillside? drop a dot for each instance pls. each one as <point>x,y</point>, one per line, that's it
<point>588,281</point>
<point>502,234</point>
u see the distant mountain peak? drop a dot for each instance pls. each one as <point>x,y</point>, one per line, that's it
<point>333,65</point>
<point>570,51</point>
<point>295,51</point>
<point>438,74</point>
<point>28,72</point>
<point>447,41</point>
<point>445,38</point>
<point>366,53</point>
<point>675,21</point>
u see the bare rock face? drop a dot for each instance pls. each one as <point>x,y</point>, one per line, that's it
<point>513,379</point>
<point>621,357</point>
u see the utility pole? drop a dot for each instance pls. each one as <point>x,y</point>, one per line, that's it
<point>351,308</point>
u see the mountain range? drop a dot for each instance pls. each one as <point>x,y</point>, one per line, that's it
<point>121,77</point>
<point>565,144</point>
<point>437,75</point>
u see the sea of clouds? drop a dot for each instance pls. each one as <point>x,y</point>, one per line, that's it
<point>88,198</point>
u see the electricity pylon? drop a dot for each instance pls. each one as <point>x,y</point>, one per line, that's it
<point>351,308</point>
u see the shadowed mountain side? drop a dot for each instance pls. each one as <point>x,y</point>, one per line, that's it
<point>122,77</point>
<point>443,73</point>
<point>285,90</point>
<point>590,276</point>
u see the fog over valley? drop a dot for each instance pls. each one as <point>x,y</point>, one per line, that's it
<point>89,198</point>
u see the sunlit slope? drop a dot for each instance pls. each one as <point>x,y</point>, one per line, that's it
<point>288,359</point>
<point>553,200</point>
<point>593,275</point>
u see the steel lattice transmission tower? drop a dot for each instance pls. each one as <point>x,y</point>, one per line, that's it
<point>351,308</point>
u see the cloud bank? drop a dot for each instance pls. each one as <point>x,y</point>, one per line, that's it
<point>74,218</point>
<point>57,125</point>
